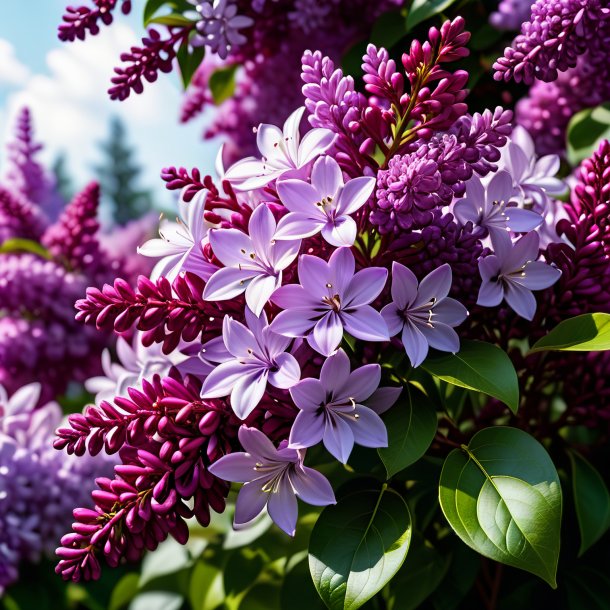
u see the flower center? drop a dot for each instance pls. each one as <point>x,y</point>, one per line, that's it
<point>334,302</point>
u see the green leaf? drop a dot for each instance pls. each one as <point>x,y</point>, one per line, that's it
<point>222,83</point>
<point>206,589</point>
<point>411,426</point>
<point>358,545</point>
<point>242,570</point>
<point>501,495</point>
<point>460,578</point>
<point>479,366</point>
<point>592,501</point>
<point>424,9</point>
<point>298,592</point>
<point>589,332</point>
<point>151,8</point>
<point>419,576</point>
<point>189,60</point>
<point>388,29</point>
<point>18,244</point>
<point>585,130</point>
<point>125,591</point>
<point>587,588</point>
<point>172,20</point>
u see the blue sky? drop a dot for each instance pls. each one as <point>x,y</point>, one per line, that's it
<point>65,86</point>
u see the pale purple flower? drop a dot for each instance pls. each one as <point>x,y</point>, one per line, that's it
<point>273,478</point>
<point>331,298</point>
<point>253,263</point>
<point>423,312</point>
<point>488,207</point>
<point>324,205</point>
<point>218,26</point>
<point>281,150</point>
<point>181,243</point>
<point>512,272</point>
<point>17,412</point>
<point>258,357</point>
<point>533,178</point>
<point>332,409</point>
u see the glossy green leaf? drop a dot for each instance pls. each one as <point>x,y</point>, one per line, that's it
<point>125,591</point>
<point>479,366</point>
<point>592,501</point>
<point>242,570</point>
<point>419,576</point>
<point>411,425</point>
<point>585,130</point>
<point>424,9</point>
<point>587,588</point>
<point>589,332</point>
<point>206,590</point>
<point>298,592</point>
<point>501,495</point>
<point>172,20</point>
<point>389,28</point>
<point>222,83</point>
<point>151,8</point>
<point>358,545</point>
<point>189,60</point>
<point>18,244</point>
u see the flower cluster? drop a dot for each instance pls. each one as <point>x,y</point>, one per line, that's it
<point>32,523</point>
<point>262,331</point>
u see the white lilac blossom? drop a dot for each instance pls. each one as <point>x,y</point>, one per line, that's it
<point>324,205</point>
<point>423,313</point>
<point>332,408</point>
<point>534,179</point>
<point>253,263</point>
<point>512,272</point>
<point>258,357</point>
<point>491,206</point>
<point>331,298</point>
<point>273,478</point>
<point>218,26</point>
<point>180,243</point>
<point>282,151</point>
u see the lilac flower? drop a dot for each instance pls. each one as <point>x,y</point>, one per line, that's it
<point>253,263</point>
<point>180,242</point>
<point>423,312</point>
<point>324,205</point>
<point>273,478</point>
<point>511,14</point>
<point>281,151</point>
<point>329,300</point>
<point>487,206</point>
<point>258,356</point>
<point>533,177</point>
<point>332,408</point>
<point>512,272</point>
<point>218,26</point>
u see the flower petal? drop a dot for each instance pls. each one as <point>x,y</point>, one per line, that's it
<point>415,344</point>
<point>521,221</point>
<point>307,430</point>
<point>300,196</point>
<point>342,266</point>
<point>227,283</point>
<point>308,394</point>
<point>338,439</point>
<point>355,194</point>
<point>261,228</point>
<point>267,139</point>
<point>296,226</point>
<point>238,467</point>
<point>311,486</point>
<point>382,399</point>
<point>365,287</point>
<point>231,247</point>
<point>520,299</point>
<point>404,285</point>
<point>259,290</point>
<point>326,177</point>
<point>248,392</point>
<point>314,143</point>
<point>538,276</point>
<point>257,444</point>
<point>314,274</point>
<point>250,502</point>
<point>282,506</point>
<point>365,323</point>
<point>449,311</point>
<point>294,322</point>
<point>221,381</point>
<point>393,318</point>
<point>327,334</point>
<point>291,296</point>
<point>340,232</point>
<point>335,372</point>
<point>368,429</point>
<point>442,337</point>
<point>436,285</point>
<point>288,372</point>
<point>500,187</point>
<point>361,383</point>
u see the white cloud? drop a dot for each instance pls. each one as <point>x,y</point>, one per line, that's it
<point>71,111</point>
<point>12,71</point>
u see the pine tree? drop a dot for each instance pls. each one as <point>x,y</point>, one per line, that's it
<point>63,182</point>
<point>119,175</point>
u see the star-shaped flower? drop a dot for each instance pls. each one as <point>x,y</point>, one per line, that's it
<point>273,478</point>
<point>281,150</point>
<point>512,272</point>
<point>253,263</point>
<point>324,205</point>
<point>330,299</point>
<point>423,312</point>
